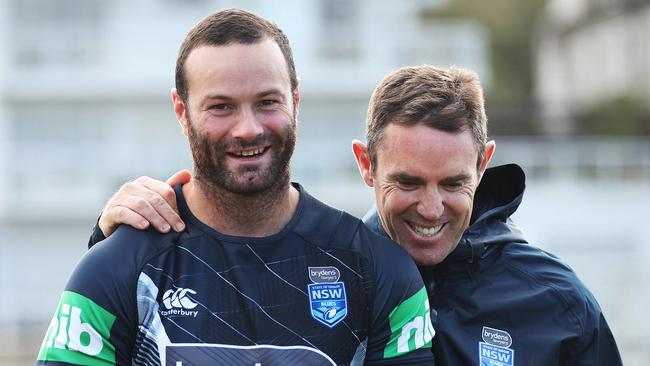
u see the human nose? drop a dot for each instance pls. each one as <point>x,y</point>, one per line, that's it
<point>247,126</point>
<point>430,205</point>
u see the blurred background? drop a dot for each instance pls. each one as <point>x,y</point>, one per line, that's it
<point>84,107</point>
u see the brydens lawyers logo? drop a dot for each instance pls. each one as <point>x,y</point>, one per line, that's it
<point>179,302</point>
<point>495,349</point>
<point>327,298</point>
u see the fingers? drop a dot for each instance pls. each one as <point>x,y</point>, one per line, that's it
<point>140,203</point>
<point>116,215</point>
<point>158,194</point>
<point>156,202</point>
<point>180,177</point>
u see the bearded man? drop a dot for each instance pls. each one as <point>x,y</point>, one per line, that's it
<point>264,274</point>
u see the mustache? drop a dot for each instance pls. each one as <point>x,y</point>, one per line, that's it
<point>239,144</point>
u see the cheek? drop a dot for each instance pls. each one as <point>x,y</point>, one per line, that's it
<point>461,203</point>
<point>276,124</point>
<point>215,127</point>
<point>288,113</point>
<point>279,116</point>
<point>396,202</point>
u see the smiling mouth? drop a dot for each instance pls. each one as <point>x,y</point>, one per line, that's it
<point>249,153</point>
<point>427,231</point>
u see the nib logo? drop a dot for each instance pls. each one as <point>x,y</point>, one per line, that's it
<point>410,325</point>
<point>178,302</point>
<point>79,332</point>
<point>416,333</point>
<point>69,330</point>
<point>179,299</point>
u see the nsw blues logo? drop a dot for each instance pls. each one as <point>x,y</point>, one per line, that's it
<point>495,349</point>
<point>327,299</point>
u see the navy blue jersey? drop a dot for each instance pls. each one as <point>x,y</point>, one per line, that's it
<point>323,291</point>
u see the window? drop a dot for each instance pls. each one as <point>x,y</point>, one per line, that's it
<point>62,32</point>
<point>339,36</point>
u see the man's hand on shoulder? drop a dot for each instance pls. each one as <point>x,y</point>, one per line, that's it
<point>145,201</point>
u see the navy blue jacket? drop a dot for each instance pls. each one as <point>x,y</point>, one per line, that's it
<point>501,301</point>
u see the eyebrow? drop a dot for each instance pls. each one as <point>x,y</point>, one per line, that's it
<point>269,92</point>
<point>217,96</point>
<point>401,176</point>
<point>455,178</point>
<point>261,94</point>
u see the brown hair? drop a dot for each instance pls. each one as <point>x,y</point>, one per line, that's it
<point>231,26</point>
<point>446,99</point>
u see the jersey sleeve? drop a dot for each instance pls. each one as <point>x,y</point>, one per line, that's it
<point>401,331</point>
<point>95,321</point>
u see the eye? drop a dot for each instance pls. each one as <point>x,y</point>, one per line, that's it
<point>220,107</point>
<point>454,185</point>
<point>268,103</point>
<point>407,185</point>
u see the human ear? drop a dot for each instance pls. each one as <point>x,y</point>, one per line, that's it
<point>180,110</point>
<point>360,151</point>
<point>489,151</point>
<point>296,102</point>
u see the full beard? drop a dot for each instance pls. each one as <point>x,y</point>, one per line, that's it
<point>211,171</point>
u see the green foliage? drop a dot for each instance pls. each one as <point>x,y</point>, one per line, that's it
<point>511,24</point>
<point>619,115</point>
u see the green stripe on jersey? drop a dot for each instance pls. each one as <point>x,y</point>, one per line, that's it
<point>79,333</point>
<point>410,326</point>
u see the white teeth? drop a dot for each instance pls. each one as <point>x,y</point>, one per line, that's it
<point>250,152</point>
<point>426,231</point>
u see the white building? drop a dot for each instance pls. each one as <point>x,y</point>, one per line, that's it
<point>84,106</point>
<point>589,51</point>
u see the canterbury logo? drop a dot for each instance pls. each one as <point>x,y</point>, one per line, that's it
<point>179,299</point>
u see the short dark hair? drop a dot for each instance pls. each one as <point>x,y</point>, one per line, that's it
<point>446,99</point>
<point>231,26</point>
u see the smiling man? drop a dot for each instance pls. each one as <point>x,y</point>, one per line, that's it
<point>264,274</point>
<point>427,151</point>
<point>497,300</point>
<point>426,210</point>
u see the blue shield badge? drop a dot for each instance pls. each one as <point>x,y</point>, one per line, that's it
<point>328,302</point>
<point>495,356</point>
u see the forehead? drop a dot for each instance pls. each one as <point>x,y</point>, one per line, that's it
<point>423,151</point>
<point>236,66</point>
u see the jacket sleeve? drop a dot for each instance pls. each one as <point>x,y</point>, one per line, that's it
<point>401,330</point>
<point>96,235</point>
<point>597,346</point>
<point>96,319</point>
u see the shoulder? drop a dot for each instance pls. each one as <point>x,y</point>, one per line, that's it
<point>540,266</point>
<point>337,230</point>
<point>323,225</point>
<point>99,301</point>
<point>332,229</point>
<point>115,263</point>
<point>327,226</point>
<point>564,300</point>
<point>395,272</point>
<point>543,270</point>
<point>122,241</point>
<point>131,246</point>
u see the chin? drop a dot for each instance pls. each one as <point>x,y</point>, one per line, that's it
<point>425,257</point>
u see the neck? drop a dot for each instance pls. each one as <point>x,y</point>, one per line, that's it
<point>254,215</point>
